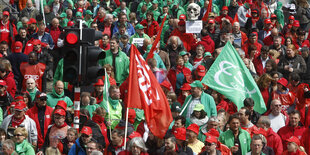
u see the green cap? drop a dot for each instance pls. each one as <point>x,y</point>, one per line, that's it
<point>176,107</point>
<point>183,53</point>
<point>207,54</point>
<point>199,107</point>
<point>196,83</point>
<point>63,15</point>
<point>139,27</point>
<point>88,12</point>
<point>78,14</point>
<point>155,1</point>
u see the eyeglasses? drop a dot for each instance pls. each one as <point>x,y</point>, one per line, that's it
<point>18,135</point>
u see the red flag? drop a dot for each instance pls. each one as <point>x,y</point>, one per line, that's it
<point>151,53</point>
<point>236,19</point>
<point>206,15</point>
<point>144,92</point>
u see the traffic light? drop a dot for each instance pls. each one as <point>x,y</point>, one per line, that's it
<point>93,70</point>
<point>71,55</point>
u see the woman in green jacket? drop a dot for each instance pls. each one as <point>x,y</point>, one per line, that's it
<point>22,146</point>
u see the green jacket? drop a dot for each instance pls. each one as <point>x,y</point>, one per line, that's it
<point>156,13</point>
<point>24,148</point>
<point>179,11</point>
<point>188,65</point>
<point>33,94</point>
<point>160,63</point>
<point>144,3</point>
<point>114,111</point>
<point>228,139</point>
<point>118,10</point>
<point>58,75</point>
<point>206,100</point>
<point>136,35</point>
<point>91,108</point>
<point>53,98</point>
<point>64,22</point>
<point>88,22</point>
<point>121,65</point>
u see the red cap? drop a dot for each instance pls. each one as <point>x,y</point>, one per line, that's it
<point>20,106</point>
<point>19,98</point>
<point>210,138</point>
<point>260,131</point>
<point>134,134</point>
<point>18,46</point>
<point>5,13</point>
<point>296,23</point>
<point>80,10</point>
<point>212,21</point>
<point>186,86</point>
<point>283,82</point>
<point>201,70</point>
<point>291,17</point>
<point>193,127</point>
<point>294,140</point>
<point>254,11</point>
<point>32,21</point>
<point>62,104</point>
<point>273,16</point>
<point>2,83</point>
<point>86,130</point>
<point>180,133</point>
<point>99,83</point>
<point>166,84</point>
<point>267,21</point>
<point>214,132</point>
<point>60,112</point>
<point>36,42</point>
<point>182,17</point>
<point>224,8</point>
<point>181,22</point>
<point>249,1</point>
<point>70,23</point>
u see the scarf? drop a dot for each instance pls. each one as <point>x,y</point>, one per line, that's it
<point>59,127</point>
<point>17,122</point>
<point>254,20</point>
<point>179,69</point>
<point>113,103</point>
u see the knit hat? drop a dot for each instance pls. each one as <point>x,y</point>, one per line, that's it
<point>18,46</point>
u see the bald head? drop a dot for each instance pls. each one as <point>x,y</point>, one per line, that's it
<point>274,32</point>
<point>55,22</point>
<point>29,3</point>
<point>30,84</point>
<point>146,42</point>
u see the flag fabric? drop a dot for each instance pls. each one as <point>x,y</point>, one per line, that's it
<point>106,90</point>
<point>144,92</point>
<point>209,9</point>
<point>236,19</point>
<point>229,76</point>
<point>151,53</point>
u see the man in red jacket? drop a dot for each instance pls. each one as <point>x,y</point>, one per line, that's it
<point>252,41</point>
<point>187,38</point>
<point>7,29</point>
<point>206,41</point>
<point>260,61</point>
<point>273,139</point>
<point>223,16</point>
<point>305,142</point>
<point>292,129</point>
<point>42,115</point>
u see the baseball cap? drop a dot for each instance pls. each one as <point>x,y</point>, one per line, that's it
<point>42,96</point>
<point>80,10</point>
<point>186,86</point>
<point>88,12</point>
<point>196,83</point>
<point>63,15</point>
<point>193,127</point>
<point>211,21</point>
<point>99,83</point>
<point>18,46</point>
<point>62,104</point>
<point>86,130</point>
<point>291,17</point>
<point>182,17</point>
<point>183,53</point>
<point>139,27</point>
<point>210,138</point>
<point>207,54</point>
<point>283,82</point>
<point>267,21</point>
<point>201,70</point>
<point>2,83</point>
<point>5,13</point>
<point>224,8</point>
<point>78,14</point>
<point>176,107</point>
<point>213,132</point>
<point>199,107</point>
<point>180,133</point>
<point>294,139</point>
<point>273,16</point>
<point>36,42</point>
<point>296,23</point>
<point>134,134</point>
<point>32,21</point>
<point>20,106</point>
<point>70,23</point>
<point>60,112</point>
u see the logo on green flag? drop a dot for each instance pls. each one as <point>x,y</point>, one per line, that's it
<point>229,76</point>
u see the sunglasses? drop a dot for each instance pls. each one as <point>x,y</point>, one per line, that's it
<point>209,144</point>
<point>18,135</point>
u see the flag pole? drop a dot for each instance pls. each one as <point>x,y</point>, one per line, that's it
<point>185,105</point>
<point>126,127</point>
<point>107,97</point>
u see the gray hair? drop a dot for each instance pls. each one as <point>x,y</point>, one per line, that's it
<point>265,120</point>
<point>9,144</point>
<point>107,16</point>
<point>275,101</point>
<point>138,141</point>
<point>213,119</point>
<point>24,19</point>
<point>179,40</point>
<point>259,137</point>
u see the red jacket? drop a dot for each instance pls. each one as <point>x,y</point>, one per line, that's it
<point>218,19</point>
<point>286,99</point>
<point>152,29</point>
<point>100,121</point>
<point>10,82</point>
<point>230,107</point>
<point>268,41</point>
<point>172,76</point>
<point>55,33</point>
<point>32,71</point>
<point>305,142</point>
<point>5,32</point>
<point>245,47</point>
<point>257,62</point>
<point>305,43</point>
<point>208,43</point>
<point>187,38</point>
<point>33,114</point>
<point>288,131</point>
<point>274,141</point>
<point>298,152</point>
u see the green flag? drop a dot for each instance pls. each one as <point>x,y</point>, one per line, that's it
<point>105,100</point>
<point>229,76</point>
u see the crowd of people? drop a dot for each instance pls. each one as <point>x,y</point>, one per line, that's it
<point>37,105</point>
